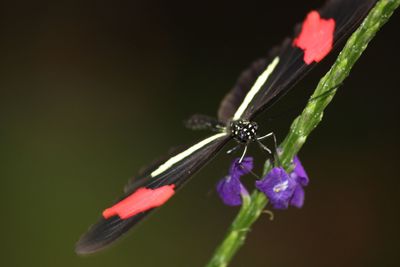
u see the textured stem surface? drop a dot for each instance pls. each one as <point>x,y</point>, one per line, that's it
<point>303,125</point>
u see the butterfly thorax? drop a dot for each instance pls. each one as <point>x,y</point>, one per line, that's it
<point>243,131</point>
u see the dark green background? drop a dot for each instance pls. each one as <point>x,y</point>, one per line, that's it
<point>90,91</point>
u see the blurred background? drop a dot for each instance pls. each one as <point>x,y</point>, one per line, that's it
<point>91,91</point>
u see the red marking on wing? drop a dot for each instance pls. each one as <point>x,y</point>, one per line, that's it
<point>316,37</point>
<point>141,200</point>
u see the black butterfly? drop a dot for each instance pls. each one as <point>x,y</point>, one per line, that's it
<point>256,90</point>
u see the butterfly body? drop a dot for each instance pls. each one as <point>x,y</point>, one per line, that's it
<point>243,131</point>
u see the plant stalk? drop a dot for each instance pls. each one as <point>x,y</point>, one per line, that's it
<point>303,125</point>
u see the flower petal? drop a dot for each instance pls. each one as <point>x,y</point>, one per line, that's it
<point>278,186</point>
<point>230,190</point>
<point>299,172</point>
<point>239,169</point>
<point>298,197</point>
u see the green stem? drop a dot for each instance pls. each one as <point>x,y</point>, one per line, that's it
<point>303,125</point>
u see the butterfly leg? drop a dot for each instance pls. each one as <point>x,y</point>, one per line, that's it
<point>274,151</point>
<point>264,147</point>
<point>266,136</point>
<point>230,151</point>
<point>243,154</point>
<point>242,166</point>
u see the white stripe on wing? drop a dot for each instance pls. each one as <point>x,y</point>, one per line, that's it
<point>256,87</point>
<point>175,159</point>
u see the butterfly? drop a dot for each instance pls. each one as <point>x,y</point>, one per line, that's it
<point>256,90</point>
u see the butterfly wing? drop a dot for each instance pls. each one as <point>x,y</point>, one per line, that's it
<point>231,102</point>
<point>151,189</point>
<point>260,86</point>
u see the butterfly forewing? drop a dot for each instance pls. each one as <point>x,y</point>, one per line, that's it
<point>289,63</point>
<point>148,192</point>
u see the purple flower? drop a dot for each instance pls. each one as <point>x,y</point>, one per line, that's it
<point>278,186</point>
<point>240,169</point>
<point>298,197</point>
<point>299,173</point>
<point>301,178</point>
<point>230,189</point>
<point>283,189</point>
